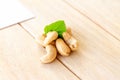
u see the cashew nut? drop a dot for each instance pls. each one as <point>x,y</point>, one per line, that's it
<point>40,39</point>
<point>71,41</point>
<point>69,30</point>
<point>51,36</point>
<point>51,54</point>
<point>62,47</point>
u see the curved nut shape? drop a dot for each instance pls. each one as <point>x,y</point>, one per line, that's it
<point>51,36</point>
<point>62,47</point>
<point>51,54</point>
<point>71,41</point>
<point>40,39</point>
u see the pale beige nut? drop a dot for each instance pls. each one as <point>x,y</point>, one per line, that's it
<point>51,36</point>
<point>51,54</point>
<point>69,30</point>
<point>71,41</point>
<point>40,39</point>
<point>62,47</point>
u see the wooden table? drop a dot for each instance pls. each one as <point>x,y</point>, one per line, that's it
<point>96,25</point>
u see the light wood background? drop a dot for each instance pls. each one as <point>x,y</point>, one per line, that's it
<point>96,25</point>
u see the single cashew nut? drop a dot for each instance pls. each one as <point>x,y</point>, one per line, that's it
<point>62,47</point>
<point>51,36</point>
<point>71,41</point>
<point>69,30</point>
<point>51,54</point>
<point>40,39</point>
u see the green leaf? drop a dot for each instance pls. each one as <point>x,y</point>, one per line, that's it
<point>58,26</point>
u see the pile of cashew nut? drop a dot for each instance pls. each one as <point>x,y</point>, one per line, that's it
<point>53,45</point>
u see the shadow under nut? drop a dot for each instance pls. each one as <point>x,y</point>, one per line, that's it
<point>62,47</point>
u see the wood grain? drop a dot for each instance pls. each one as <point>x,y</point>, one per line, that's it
<point>98,56</point>
<point>104,13</point>
<point>19,58</point>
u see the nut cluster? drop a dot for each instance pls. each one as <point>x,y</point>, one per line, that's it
<point>53,44</point>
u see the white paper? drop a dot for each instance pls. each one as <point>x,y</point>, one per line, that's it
<point>12,12</point>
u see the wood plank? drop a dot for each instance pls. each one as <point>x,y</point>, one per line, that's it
<point>98,56</point>
<point>105,13</point>
<point>19,58</point>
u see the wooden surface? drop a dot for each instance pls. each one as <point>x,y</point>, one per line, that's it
<point>94,23</point>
